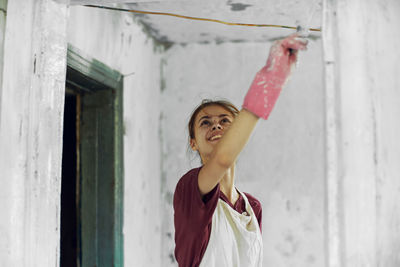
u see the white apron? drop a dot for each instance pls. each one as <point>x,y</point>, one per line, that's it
<point>235,239</point>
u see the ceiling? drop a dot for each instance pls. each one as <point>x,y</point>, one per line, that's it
<point>177,30</point>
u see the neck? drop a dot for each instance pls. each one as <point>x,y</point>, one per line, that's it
<point>227,185</point>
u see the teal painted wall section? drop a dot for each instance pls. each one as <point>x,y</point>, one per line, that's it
<point>101,243</point>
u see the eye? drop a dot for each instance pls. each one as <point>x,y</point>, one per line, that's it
<point>205,123</point>
<point>225,120</point>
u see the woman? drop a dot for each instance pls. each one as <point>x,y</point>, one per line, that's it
<point>216,225</point>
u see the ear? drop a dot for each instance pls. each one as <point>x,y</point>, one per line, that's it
<point>193,144</point>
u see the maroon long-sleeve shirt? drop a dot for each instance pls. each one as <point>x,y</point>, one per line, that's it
<point>193,217</point>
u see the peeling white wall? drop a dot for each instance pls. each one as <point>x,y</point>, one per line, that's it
<point>283,164</point>
<point>31,110</point>
<point>117,41</point>
<point>3,16</point>
<point>363,192</point>
<point>182,31</point>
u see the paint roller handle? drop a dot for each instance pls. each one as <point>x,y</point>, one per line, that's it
<point>268,82</point>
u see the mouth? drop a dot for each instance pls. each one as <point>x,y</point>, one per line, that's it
<point>215,137</point>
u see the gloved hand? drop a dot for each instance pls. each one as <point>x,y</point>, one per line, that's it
<point>268,83</point>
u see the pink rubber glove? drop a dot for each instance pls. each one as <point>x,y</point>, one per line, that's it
<point>268,83</point>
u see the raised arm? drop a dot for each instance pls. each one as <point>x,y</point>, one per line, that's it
<point>258,103</point>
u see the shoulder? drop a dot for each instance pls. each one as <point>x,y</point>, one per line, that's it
<point>187,184</point>
<point>254,202</point>
<point>188,178</point>
<point>189,175</point>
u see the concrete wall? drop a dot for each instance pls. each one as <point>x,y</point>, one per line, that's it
<point>3,16</point>
<point>31,110</point>
<point>283,164</point>
<point>362,81</point>
<point>117,41</point>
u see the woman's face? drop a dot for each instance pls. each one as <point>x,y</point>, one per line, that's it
<point>209,126</point>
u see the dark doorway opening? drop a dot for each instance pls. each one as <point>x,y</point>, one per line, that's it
<point>68,186</point>
<point>92,169</point>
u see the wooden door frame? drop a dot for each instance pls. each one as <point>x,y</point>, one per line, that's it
<point>87,75</point>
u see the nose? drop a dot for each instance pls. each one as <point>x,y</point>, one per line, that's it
<point>216,126</point>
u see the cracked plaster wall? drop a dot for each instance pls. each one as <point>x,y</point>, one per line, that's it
<point>365,154</point>
<point>31,110</point>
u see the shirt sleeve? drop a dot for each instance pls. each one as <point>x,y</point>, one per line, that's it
<point>191,209</point>
<point>257,208</point>
<point>259,217</point>
<point>192,218</point>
